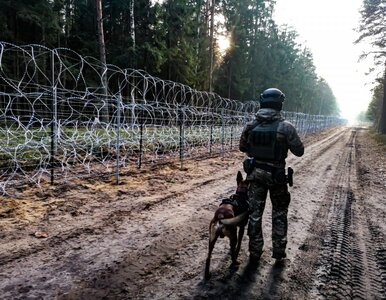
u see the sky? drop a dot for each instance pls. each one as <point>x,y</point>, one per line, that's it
<point>327,28</point>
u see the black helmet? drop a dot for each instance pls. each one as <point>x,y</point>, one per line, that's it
<point>272,95</point>
<point>272,98</point>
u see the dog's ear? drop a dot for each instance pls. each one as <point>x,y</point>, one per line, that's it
<point>239,177</point>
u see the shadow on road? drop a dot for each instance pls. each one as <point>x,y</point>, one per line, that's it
<point>274,279</point>
<point>243,283</point>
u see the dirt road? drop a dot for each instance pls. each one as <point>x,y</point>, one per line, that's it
<point>147,238</point>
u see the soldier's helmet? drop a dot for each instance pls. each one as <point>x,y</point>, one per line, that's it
<point>272,98</point>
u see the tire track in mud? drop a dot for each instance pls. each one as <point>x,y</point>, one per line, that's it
<point>316,150</point>
<point>378,238</point>
<point>375,235</point>
<point>347,267</point>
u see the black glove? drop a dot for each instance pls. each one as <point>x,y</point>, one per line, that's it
<point>249,165</point>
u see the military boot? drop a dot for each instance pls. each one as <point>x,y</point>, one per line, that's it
<point>279,254</point>
<point>254,258</point>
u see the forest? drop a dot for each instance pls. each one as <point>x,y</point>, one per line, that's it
<point>372,30</point>
<point>181,41</point>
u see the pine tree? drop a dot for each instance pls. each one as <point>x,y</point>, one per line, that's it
<point>372,29</point>
<point>180,35</point>
<point>25,22</point>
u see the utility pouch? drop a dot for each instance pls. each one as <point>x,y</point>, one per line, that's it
<point>290,179</point>
<point>249,165</point>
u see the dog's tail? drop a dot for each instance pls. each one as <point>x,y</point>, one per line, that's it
<point>235,220</point>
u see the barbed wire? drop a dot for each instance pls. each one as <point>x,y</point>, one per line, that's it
<point>64,116</point>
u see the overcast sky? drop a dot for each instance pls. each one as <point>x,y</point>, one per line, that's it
<point>327,28</point>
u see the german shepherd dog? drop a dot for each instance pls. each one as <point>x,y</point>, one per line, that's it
<point>232,213</point>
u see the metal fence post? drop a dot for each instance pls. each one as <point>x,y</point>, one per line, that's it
<point>119,101</point>
<point>180,117</point>
<point>53,118</point>
<point>222,133</point>
<point>211,136</point>
<point>140,140</point>
<point>231,136</point>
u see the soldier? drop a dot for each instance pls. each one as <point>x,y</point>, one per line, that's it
<point>266,141</point>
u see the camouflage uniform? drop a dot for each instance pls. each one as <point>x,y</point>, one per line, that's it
<point>269,175</point>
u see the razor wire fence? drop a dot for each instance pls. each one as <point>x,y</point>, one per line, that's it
<point>64,116</point>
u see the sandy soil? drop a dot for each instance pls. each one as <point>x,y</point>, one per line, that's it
<point>147,238</point>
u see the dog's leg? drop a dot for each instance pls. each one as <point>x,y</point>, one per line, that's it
<point>240,238</point>
<point>213,236</point>
<point>233,244</point>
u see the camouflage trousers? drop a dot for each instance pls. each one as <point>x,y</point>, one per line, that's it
<point>280,198</point>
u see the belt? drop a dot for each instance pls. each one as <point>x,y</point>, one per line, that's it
<point>265,167</point>
<point>268,166</point>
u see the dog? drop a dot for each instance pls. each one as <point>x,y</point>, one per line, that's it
<point>232,213</point>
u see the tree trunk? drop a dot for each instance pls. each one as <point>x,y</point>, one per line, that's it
<point>104,112</point>
<point>382,120</point>
<point>132,34</point>
<point>198,20</point>
<point>211,47</point>
<point>68,22</point>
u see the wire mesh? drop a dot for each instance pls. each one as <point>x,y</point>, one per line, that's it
<point>59,120</point>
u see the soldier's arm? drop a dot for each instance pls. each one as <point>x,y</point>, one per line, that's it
<point>243,144</point>
<point>295,145</point>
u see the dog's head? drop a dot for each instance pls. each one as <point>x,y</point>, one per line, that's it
<point>239,200</point>
<point>242,185</point>
<point>241,195</point>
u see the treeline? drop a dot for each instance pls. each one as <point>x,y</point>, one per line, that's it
<point>372,29</point>
<point>178,40</point>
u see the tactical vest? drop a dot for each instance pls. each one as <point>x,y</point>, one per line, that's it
<point>263,144</point>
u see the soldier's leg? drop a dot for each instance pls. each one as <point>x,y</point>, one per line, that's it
<point>280,198</point>
<point>257,194</point>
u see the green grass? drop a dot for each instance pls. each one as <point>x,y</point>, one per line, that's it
<point>33,147</point>
<point>379,138</point>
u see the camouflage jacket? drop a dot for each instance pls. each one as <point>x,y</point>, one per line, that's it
<point>286,134</point>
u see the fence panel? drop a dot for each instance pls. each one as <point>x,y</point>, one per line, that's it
<point>57,123</point>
